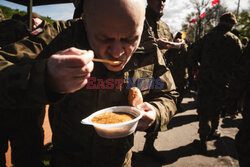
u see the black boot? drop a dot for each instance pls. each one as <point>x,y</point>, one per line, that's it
<point>201,146</point>
<point>215,134</point>
<point>149,150</point>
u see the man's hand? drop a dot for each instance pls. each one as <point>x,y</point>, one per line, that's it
<point>68,70</point>
<point>148,117</point>
<point>165,44</point>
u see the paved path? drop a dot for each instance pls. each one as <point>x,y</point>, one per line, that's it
<point>177,147</point>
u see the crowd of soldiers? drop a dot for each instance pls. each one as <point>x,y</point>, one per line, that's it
<point>51,64</point>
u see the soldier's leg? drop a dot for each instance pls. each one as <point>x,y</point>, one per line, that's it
<point>242,139</point>
<point>204,109</point>
<point>149,148</point>
<point>204,129</point>
<point>242,143</point>
<point>3,149</point>
<point>3,139</point>
<point>27,141</point>
<point>179,100</point>
<point>149,142</point>
<point>214,133</point>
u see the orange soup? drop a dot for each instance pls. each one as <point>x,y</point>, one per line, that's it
<point>112,118</point>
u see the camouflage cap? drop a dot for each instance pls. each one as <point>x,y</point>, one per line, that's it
<point>228,17</point>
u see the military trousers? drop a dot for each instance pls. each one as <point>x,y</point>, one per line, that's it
<point>100,152</point>
<point>209,113</point>
<point>242,139</point>
<point>24,131</point>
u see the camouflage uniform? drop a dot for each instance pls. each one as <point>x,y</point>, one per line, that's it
<point>219,50</point>
<point>76,144</point>
<point>172,58</point>
<point>176,61</point>
<point>160,28</point>
<point>21,126</point>
<point>78,8</point>
<point>240,86</point>
<point>11,31</point>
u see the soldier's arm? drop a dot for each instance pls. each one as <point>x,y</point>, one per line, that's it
<point>163,95</point>
<point>23,68</point>
<point>241,74</point>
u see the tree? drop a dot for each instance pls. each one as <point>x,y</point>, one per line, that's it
<point>200,6</point>
<point>197,30</point>
<point>8,13</point>
<point>244,24</point>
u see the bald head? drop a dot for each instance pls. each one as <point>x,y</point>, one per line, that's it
<point>131,10</point>
<point>114,28</point>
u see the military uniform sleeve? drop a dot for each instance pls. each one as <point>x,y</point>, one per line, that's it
<point>12,31</point>
<point>241,75</point>
<point>194,54</point>
<point>23,68</point>
<point>164,97</point>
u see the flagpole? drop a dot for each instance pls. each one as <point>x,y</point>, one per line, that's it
<point>218,11</point>
<point>238,7</point>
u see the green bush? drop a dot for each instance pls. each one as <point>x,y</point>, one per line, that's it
<point>8,13</point>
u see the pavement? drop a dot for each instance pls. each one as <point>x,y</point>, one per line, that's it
<point>176,144</point>
<point>177,147</point>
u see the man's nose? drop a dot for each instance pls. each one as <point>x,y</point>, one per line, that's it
<point>117,50</point>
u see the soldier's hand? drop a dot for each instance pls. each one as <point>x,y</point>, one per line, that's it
<point>148,117</point>
<point>68,70</point>
<point>163,43</point>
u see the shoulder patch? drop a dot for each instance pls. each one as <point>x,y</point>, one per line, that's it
<point>36,31</point>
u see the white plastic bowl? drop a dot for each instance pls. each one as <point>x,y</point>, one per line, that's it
<point>117,130</point>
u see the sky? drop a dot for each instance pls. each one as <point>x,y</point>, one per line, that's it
<point>175,11</point>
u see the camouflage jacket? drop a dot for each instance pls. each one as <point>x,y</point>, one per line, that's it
<point>11,31</point>
<point>23,74</point>
<point>175,59</point>
<point>177,62</point>
<point>240,83</point>
<point>159,28</point>
<point>219,51</point>
<point>240,88</point>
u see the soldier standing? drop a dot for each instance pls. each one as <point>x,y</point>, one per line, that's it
<point>241,87</point>
<point>169,50</point>
<point>177,62</point>
<point>219,50</point>
<point>56,66</point>
<point>21,126</point>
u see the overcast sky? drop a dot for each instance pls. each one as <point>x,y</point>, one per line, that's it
<point>175,11</point>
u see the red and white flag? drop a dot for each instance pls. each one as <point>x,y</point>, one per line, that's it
<point>192,21</point>
<point>215,2</point>
<point>202,15</point>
